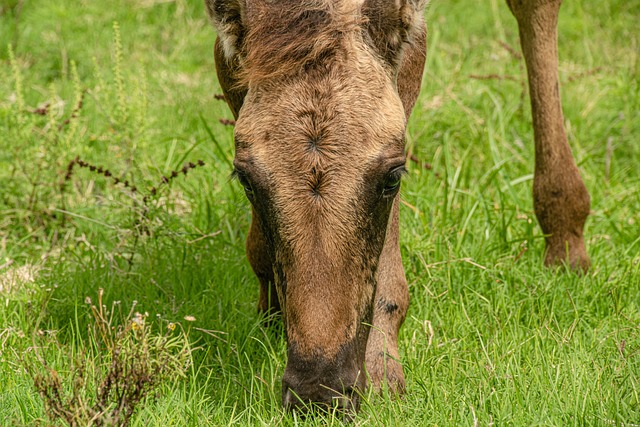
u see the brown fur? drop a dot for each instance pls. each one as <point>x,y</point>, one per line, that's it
<point>561,200</point>
<point>273,47</point>
<point>299,80</point>
<point>321,91</point>
<point>319,180</point>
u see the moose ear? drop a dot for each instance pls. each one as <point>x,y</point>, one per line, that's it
<point>391,24</point>
<point>228,18</point>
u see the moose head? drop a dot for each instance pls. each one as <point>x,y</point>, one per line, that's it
<point>321,90</point>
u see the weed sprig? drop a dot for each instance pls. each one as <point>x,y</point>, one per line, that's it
<point>153,191</point>
<point>136,359</point>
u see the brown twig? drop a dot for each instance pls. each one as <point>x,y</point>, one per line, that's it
<point>517,55</point>
<point>99,170</point>
<point>587,73</point>
<point>228,122</point>
<point>523,249</point>
<point>514,52</point>
<point>425,165</point>
<point>165,180</point>
<point>493,77</point>
<point>76,110</point>
<point>41,111</point>
<point>416,160</point>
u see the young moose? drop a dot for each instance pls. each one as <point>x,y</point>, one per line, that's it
<point>321,90</point>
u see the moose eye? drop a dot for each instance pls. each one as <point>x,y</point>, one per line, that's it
<point>392,181</point>
<point>244,181</point>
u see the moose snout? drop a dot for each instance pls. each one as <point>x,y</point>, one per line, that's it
<point>324,383</point>
<point>302,396</point>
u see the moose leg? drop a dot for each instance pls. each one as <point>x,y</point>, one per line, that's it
<point>389,310</point>
<point>392,294</point>
<point>258,256</point>
<point>560,198</point>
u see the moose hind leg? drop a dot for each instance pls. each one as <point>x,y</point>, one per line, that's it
<point>389,310</point>
<point>561,200</point>
<point>260,261</point>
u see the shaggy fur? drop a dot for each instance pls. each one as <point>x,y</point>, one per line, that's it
<point>294,38</point>
<point>272,40</point>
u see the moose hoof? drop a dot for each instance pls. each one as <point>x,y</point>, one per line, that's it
<point>568,252</point>
<point>386,372</point>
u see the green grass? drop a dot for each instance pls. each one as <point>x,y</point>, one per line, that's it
<point>491,336</point>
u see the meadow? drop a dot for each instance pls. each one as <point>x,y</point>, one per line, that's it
<point>120,228</point>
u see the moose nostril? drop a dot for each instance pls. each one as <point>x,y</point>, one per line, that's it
<point>290,400</point>
<point>318,383</point>
<point>324,398</point>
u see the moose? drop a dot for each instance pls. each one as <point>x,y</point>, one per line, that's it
<point>321,91</point>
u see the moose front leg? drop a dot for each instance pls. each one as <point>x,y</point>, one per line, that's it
<point>260,261</point>
<point>561,201</point>
<point>390,308</point>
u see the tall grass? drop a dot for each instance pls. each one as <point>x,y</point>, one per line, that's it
<point>492,337</point>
